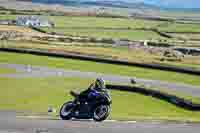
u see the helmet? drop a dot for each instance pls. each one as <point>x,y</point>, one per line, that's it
<point>99,84</point>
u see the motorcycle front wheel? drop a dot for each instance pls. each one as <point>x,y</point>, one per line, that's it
<point>101,112</point>
<point>66,111</point>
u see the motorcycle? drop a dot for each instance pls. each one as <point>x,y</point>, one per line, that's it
<point>97,107</point>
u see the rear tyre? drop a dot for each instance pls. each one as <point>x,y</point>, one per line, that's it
<point>101,112</point>
<point>66,111</point>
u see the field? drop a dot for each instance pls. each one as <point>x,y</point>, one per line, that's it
<point>7,17</point>
<point>98,22</point>
<point>101,50</point>
<point>70,64</point>
<point>101,27</point>
<point>131,29</point>
<point>6,70</point>
<point>35,95</point>
<point>19,29</point>
<point>114,34</point>
<point>108,27</point>
<point>121,28</point>
<point>178,27</point>
<point>105,27</point>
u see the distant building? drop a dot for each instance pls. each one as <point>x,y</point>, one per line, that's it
<point>33,21</point>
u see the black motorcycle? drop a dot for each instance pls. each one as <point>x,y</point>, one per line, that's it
<point>97,107</point>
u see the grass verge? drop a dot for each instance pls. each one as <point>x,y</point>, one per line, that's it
<point>104,50</point>
<point>114,34</point>
<point>35,94</point>
<point>98,67</point>
<point>6,70</point>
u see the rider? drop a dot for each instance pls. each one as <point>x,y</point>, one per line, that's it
<point>98,85</point>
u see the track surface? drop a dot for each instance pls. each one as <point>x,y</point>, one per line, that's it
<point>24,71</point>
<point>9,123</point>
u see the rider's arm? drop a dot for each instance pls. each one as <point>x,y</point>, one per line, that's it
<point>86,92</point>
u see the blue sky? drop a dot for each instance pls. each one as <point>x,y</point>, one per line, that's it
<point>175,3</point>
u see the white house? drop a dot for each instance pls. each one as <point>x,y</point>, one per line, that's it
<point>33,21</point>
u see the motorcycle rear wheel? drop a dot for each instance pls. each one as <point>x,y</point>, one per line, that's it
<point>101,113</point>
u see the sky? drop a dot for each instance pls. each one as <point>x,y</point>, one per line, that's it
<point>175,3</point>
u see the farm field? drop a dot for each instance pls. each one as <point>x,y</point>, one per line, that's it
<point>120,28</point>
<point>140,55</point>
<point>177,27</point>
<point>105,27</point>
<point>114,34</point>
<point>116,28</point>
<point>7,17</point>
<point>100,22</point>
<point>132,29</point>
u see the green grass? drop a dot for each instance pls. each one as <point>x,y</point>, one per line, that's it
<point>143,107</point>
<point>115,34</point>
<point>105,50</point>
<point>176,27</point>
<point>6,17</point>
<point>74,21</point>
<point>65,25</point>
<point>98,22</point>
<point>64,21</point>
<point>85,26</point>
<point>98,67</point>
<point>6,70</point>
<point>36,94</point>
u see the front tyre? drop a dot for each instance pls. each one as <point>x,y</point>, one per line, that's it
<point>66,111</point>
<point>101,112</point>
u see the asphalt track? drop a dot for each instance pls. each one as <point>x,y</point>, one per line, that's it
<point>25,71</point>
<point>9,123</point>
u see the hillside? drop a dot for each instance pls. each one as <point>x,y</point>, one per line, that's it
<point>184,5</point>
